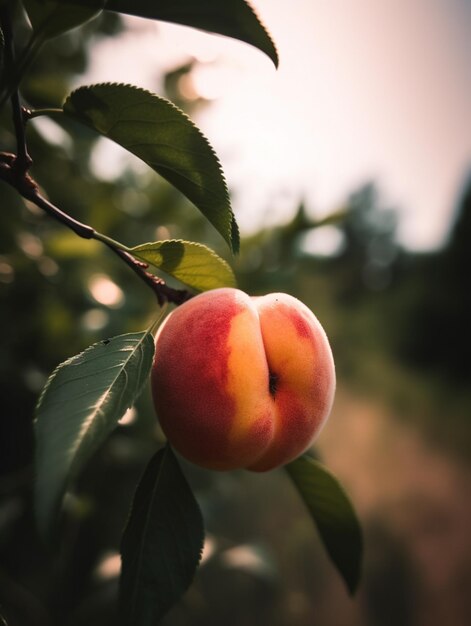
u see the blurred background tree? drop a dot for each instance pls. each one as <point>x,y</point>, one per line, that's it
<point>399,435</point>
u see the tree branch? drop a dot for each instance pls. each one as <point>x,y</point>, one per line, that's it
<point>14,171</point>
<point>29,189</point>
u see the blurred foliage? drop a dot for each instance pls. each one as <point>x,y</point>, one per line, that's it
<point>398,326</point>
<point>396,320</point>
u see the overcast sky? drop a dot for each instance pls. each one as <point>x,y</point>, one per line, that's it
<point>366,90</point>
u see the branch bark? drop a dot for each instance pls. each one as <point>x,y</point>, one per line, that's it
<point>19,179</point>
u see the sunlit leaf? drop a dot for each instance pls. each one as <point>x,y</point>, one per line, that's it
<point>160,134</point>
<point>162,543</point>
<point>81,404</point>
<point>50,18</point>
<point>192,263</point>
<point>333,515</point>
<point>232,18</point>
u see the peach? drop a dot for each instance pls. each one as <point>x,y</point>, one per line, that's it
<point>242,382</point>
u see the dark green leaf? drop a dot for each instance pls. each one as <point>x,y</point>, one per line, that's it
<point>333,514</point>
<point>162,543</point>
<point>192,263</point>
<point>160,134</point>
<point>2,49</point>
<point>232,18</point>
<point>80,405</point>
<point>50,18</point>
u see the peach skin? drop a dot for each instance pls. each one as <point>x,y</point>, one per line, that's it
<point>240,381</point>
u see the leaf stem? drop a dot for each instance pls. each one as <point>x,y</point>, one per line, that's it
<point>111,243</point>
<point>30,114</point>
<point>156,323</point>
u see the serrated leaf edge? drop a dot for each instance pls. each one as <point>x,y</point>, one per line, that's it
<point>184,241</point>
<point>230,227</point>
<point>276,61</point>
<point>145,246</point>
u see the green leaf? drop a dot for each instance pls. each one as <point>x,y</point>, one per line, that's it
<point>2,49</point>
<point>232,18</point>
<point>162,543</point>
<point>333,515</point>
<point>160,134</point>
<point>50,18</point>
<point>192,263</point>
<point>80,405</point>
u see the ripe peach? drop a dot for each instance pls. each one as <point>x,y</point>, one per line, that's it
<point>241,382</point>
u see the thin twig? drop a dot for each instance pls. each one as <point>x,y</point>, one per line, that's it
<point>31,193</point>
<point>29,190</point>
<point>23,160</point>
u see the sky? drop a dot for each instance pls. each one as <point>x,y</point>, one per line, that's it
<point>365,91</point>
